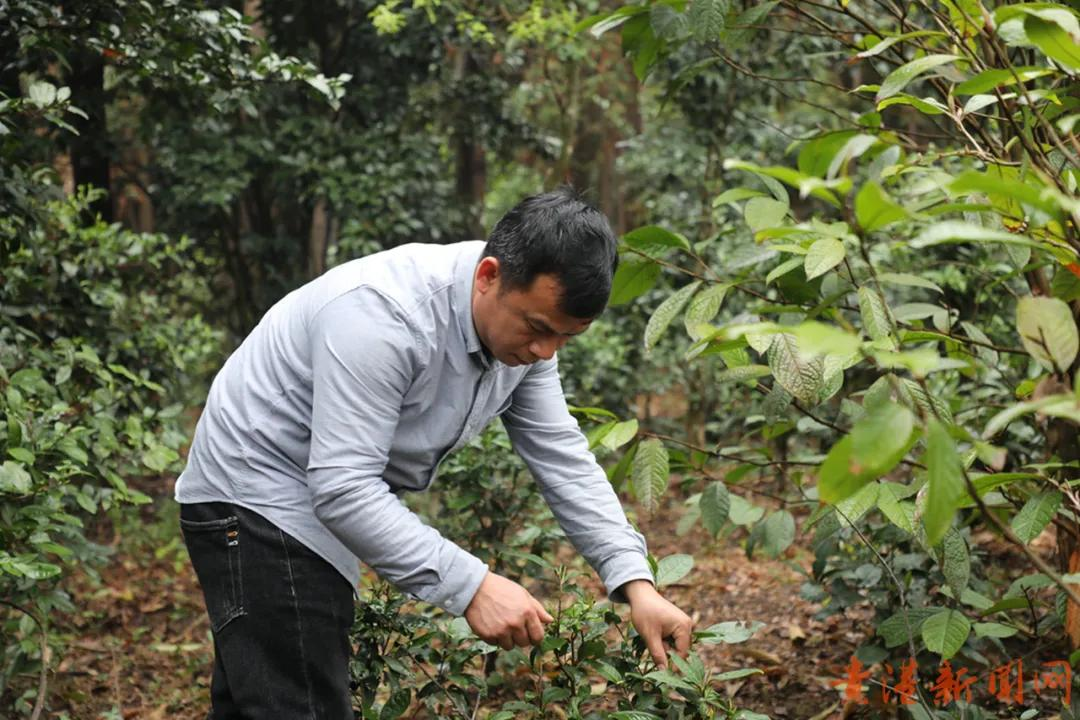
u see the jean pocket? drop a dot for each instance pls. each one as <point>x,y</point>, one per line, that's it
<point>214,547</point>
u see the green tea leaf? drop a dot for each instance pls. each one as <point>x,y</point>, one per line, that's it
<point>663,315</point>
<point>1048,331</point>
<point>899,78</point>
<point>715,504</point>
<point>945,632</point>
<point>874,209</point>
<point>761,213</point>
<point>1036,514</point>
<point>634,276</point>
<point>672,569</point>
<point>649,473</point>
<point>945,480</point>
<point>823,256</point>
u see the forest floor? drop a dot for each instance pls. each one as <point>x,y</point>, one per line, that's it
<point>138,646</point>
<point>139,643</point>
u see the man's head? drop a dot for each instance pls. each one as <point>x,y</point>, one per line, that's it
<point>544,276</point>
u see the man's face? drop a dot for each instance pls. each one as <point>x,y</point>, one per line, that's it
<point>520,327</point>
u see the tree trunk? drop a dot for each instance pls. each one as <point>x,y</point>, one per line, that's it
<point>90,148</point>
<point>317,239</point>
<point>471,169</point>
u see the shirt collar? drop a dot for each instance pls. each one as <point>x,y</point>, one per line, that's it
<point>463,287</point>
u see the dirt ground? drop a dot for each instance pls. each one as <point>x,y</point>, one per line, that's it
<point>139,643</point>
<point>138,647</point>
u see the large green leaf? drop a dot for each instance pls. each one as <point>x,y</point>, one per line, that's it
<point>955,562</point>
<point>945,632</point>
<point>396,706</point>
<point>762,213</point>
<point>800,375</point>
<point>894,629</point>
<point>635,276</point>
<point>673,568</point>
<point>945,481</point>
<point>14,478</point>
<point>703,308</point>
<point>1053,39</point>
<point>899,78</point>
<point>663,315</point>
<point>620,434</point>
<point>836,480</point>
<point>707,18</point>
<point>823,256</point>
<point>776,533</point>
<point>956,231</point>
<point>1036,514</point>
<point>874,209</point>
<point>654,240</point>
<point>880,439</point>
<point>649,473</point>
<point>715,504</point>
<point>875,316</point>
<point>996,77</point>
<point>1048,331</point>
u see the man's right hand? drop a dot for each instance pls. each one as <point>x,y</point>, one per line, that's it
<point>503,613</point>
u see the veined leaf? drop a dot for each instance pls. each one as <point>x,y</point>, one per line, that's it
<point>745,372</point>
<point>945,632</point>
<point>945,481</point>
<point>776,533</point>
<point>888,42</point>
<point>673,568</point>
<point>899,78</point>
<point>703,308</point>
<point>823,256</point>
<point>1036,514</point>
<point>761,213</point>
<point>667,311</point>
<point>715,504</point>
<point>801,376</point>
<point>649,473</point>
<point>875,316</point>
<point>955,562</point>
<point>635,276</point>
<point>707,18</point>
<point>620,434</point>
<point>1048,331</point>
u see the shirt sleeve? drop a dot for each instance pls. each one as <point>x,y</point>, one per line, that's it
<point>364,356</point>
<point>547,437</point>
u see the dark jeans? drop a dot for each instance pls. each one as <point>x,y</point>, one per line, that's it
<point>280,617</point>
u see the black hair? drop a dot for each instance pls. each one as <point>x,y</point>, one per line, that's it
<point>557,233</point>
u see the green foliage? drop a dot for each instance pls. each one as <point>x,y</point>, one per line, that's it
<point>900,299</point>
<point>588,665</point>
<point>101,349</point>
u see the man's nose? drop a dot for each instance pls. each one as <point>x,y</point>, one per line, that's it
<point>546,348</point>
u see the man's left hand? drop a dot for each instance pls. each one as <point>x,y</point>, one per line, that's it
<point>657,619</point>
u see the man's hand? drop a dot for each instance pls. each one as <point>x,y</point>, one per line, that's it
<point>656,619</point>
<point>503,613</point>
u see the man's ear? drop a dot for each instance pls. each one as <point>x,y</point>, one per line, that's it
<point>487,275</point>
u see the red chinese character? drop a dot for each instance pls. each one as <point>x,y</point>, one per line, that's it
<point>1001,685</point>
<point>904,690</point>
<point>852,682</point>
<point>1059,677</point>
<point>949,686</point>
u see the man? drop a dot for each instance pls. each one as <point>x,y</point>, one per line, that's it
<point>352,389</point>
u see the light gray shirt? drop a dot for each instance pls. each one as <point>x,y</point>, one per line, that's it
<point>353,388</point>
